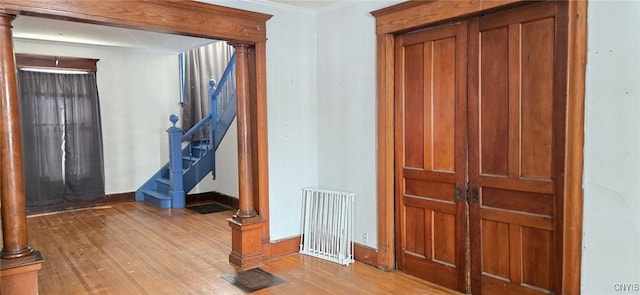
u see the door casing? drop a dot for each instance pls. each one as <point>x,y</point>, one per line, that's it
<point>413,15</point>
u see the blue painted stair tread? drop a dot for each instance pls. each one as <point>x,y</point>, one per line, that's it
<point>157,199</point>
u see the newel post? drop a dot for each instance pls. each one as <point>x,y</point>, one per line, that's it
<point>19,262</point>
<point>246,224</point>
<point>176,190</point>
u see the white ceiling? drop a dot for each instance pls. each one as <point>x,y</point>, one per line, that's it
<point>35,28</point>
<point>310,4</point>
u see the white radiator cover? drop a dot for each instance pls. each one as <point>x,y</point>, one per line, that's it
<point>327,225</point>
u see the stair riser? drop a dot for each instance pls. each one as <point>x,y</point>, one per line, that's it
<point>162,203</point>
<point>197,153</point>
<point>162,187</point>
<point>186,163</point>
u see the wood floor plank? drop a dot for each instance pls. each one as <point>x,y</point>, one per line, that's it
<point>134,248</point>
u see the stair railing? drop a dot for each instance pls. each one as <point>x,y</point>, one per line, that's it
<point>186,149</point>
<point>222,95</point>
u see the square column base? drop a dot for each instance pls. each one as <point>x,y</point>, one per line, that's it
<point>20,276</point>
<point>246,242</point>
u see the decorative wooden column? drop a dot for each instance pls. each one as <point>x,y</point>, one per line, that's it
<point>246,224</point>
<point>20,264</point>
<point>14,216</point>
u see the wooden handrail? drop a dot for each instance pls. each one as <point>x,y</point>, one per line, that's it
<point>187,135</point>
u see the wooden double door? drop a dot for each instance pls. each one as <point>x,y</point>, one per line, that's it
<point>480,118</point>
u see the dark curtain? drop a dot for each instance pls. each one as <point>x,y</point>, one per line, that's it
<point>62,137</point>
<point>200,65</point>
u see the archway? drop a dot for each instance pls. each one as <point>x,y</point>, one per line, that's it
<point>250,226</point>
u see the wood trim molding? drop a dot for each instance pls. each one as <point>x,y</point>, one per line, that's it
<point>365,254</point>
<point>283,247</point>
<point>261,140</point>
<point>55,62</point>
<point>410,15</point>
<point>188,18</point>
<point>109,199</point>
<point>5,11</point>
<point>212,197</point>
<point>385,152</point>
<point>275,249</point>
<point>574,153</point>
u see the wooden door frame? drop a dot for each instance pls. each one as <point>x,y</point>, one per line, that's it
<point>187,18</point>
<point>413,15</point>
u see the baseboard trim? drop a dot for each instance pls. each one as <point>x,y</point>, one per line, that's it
<point>107,200</point>
<point>121,197</point>
<point>131,197</point>
<point>365,254</point>
<point>283,247</point>
<point>212,197</point>
<point>275,249</point>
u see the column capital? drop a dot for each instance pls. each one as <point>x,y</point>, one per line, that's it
<point>6,17</point>
<point>240,47</point>
<point>8,13</point>
<point>236,43</point>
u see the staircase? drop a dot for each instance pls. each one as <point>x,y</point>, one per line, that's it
<point>192,154</point>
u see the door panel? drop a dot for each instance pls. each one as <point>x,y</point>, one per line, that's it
<point>430,154</point>
<point>537,50</point>
<point>511,151</point>
<point>496,242</point>
<point>442,105</point>
<point>495,102</point>
<point>479,137</point>
<point>415,138</point>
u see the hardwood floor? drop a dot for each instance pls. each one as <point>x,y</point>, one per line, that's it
<point>134,248</point>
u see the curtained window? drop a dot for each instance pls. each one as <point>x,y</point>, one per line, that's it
<point>198,66</point>
<point>62,135</point>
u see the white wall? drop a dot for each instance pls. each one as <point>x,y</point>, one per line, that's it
<point>291,110</point>
<point>227,163</point>
<point>138,91</point>
<point>611,244</point>
<point>347,108</point>
<point>321,108</point>
<point>226,181</point>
